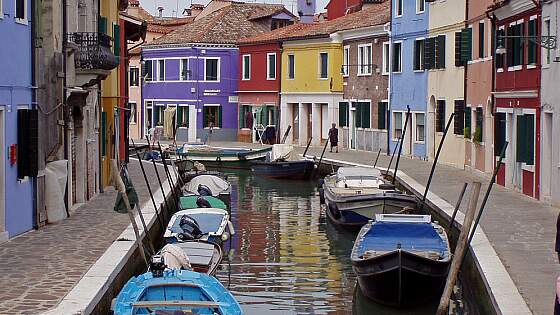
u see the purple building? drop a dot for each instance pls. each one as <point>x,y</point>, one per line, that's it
<point>194,71</point>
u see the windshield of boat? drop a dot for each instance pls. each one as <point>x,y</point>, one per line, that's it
<point>208,222</point>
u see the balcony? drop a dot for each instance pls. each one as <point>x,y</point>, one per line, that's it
<point>93,57</point>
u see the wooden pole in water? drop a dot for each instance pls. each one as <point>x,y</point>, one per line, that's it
<point>286,133</point>
<point>168,174</point>
<point>119,185</point>
<point>460,250</point>
<point>392,156</point>
<point>457,207</point>
<point>160,185</point>
<point>435,161</point>
<point>400,147</point>
<point>377,158</point>
<point>307,147</point>
<point>323,153</point>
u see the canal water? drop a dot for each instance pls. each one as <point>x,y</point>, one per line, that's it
<point>286,258</point>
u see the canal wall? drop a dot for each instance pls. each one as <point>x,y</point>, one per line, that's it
<point>489,289</point>
<point>94,293</point>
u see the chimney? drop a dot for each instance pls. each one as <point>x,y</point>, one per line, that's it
<point>160,11</point>
<point>306,10</point>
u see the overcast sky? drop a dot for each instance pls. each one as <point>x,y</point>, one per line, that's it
<point>172,5</point>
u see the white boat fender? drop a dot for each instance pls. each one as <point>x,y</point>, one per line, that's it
<point>230,227</point>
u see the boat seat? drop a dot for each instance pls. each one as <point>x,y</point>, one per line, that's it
<point>179,303</point>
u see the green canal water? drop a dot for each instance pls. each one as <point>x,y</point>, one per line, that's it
<point>286,258</point>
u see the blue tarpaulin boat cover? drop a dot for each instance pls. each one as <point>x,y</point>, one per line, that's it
<point>412,237</point>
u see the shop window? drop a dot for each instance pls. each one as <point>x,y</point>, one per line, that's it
<point>212,116</point>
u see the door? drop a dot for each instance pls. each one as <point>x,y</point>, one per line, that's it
<point>546,184</point>
<point>295,124</point>
<point>325,123</point>
<point>353,130</point>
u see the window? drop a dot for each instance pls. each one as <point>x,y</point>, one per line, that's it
<point>515,45</point>
<point>134,76</point>
<point>291,67</point>
<point>481,39</point>
<point>463,47</point>
<point>363,114</point>
<point>161,70</point>
<point>397,57</point>
<point>246,67</point>
<point>324,65</point>
<point>212,116</point>
<point>499,132</point>
<point>382,115</point>
<point>440,116</point>
<point>271,66</point>
<point>148,117</point>
<point>397,125</point>
<point>467,131</point>
<point>132,113</point>
<point>479,131</point>
<point>399,8</point>
<point>147,71</point>
<point>440,52</point>
<point>419,55</point>
<point>546,53</point>
<point>182,116</point>
<point>158,114</point>
<point>459,119</point>
<point>420,6</point>
<point>525,148</point>
<point>186,74</point>
<point>346,61</point>
<point>532,46</point>
<point>21,11</point>
<point>343,114</point>
<point>500,63</point>
<point>364,59</point>
<point>386,60</point>
<point>434,52</point>
<point>245,117</point>
<point>211,69</point>
<point>420,127</point>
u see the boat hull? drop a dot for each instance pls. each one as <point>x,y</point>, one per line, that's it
<point>229,158</point>
<point>400,278</point>
<point>300,170</point>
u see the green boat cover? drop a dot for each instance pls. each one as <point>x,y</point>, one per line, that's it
<point>189,202</point>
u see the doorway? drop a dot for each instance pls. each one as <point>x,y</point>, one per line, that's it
<point>546,179</point>
<point>295,123</point>
<point>3,232</point>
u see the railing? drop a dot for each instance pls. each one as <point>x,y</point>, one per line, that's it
<point>94,51</point>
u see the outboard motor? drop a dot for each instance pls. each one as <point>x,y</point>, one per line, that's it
<point>191,229</point>
<point>157,266</point>
<point>201,202</point>
<point>204,190</point>
<point>387,186</point>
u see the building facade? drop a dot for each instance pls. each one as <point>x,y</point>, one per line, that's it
<point>409,28</point>
<point>446,79</point>
<point>17,212</point>
<point>517,93</point>
<point>550,104</point>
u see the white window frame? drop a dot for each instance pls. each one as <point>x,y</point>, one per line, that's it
<point>386,58</point>
<point>421,56</point>
<point>1,10</point>
<point>369,64</point>
<point>526,47</point>
<point>346,61</point>
<point>416,127</point>
<point>546,54</point>
<point>394,125</point>
<point>135,112</point>
<point>320,66</point>
<point>504,60</point>
<point>211,105</point>
<point>243,63</point>
<point>288,67</point>
<point>418,11</point>
<point>158,70</point>
<point>399,5</point>
<point>218,70</point>
<point>181,69</point>
<point>268,77</point>
<point>130,74</point>
<point>517,67</point>
<point>23,21</point>
<point>400,42</point>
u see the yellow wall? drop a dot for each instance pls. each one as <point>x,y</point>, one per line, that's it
<point>306,56</point>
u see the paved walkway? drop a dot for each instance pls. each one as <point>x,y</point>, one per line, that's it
<point>521,230</point>
<point>39,268</point>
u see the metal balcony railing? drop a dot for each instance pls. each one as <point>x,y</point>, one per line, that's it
<point>94,51</point>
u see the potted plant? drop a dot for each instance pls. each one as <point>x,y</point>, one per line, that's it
<point>467,132</point>
<point>477,135</point>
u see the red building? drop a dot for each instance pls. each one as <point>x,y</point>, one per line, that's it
<point>338,8</point>
<point>517,93</point>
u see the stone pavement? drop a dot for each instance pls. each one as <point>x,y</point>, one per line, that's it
<point>39,268</point>
<point>522,230</point>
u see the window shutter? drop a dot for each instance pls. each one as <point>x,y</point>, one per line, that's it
<point>530,136</point>
<point>440,52</point>
<point>273,119</point>
<point>265,120</point>
<point>532,46</point>
<point>499,133</point>
<point>103,133</point>
<point>466,45</point>
<point>459,119</point>
<point>343,114</point>
<point>241,116</point>
<point>458,43</point>
<point>510,45</point>
<point>367,115</point>
<point>102,25</point>
<point>481,40</point>
<point>117,40</point>
<point>220,116</point>
<point>429,53</point>
<point>396,56</point>
<point>468,115</point>
<point>381,115</point>
<point>521,149</point>
<point>27,143</point>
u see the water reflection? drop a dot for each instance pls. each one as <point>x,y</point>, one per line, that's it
<point>285,258</point>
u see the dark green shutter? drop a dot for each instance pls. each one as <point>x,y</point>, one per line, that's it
<point>458,40</point>
<point>367,115</point>
<point>521,149</point>
<point>343,114</point>
<point>382,115</point>
<point>117,40</point>
<point>429,53</point>
<point>530,134</point>
<point>102,25</point>
<point>511,31</point>
<point>440,51</point>
<point>396,56</point>
<point>532,46</point>
<point>459,119</point>
<point>466,45</point>
<point>103,132</point>
<point>480,122</point>
<point>499,132</point>
<point>481,40</point>
<point>265,121</point>
<point>468,114</point>
<point>241,114</point>
<point>220,116</point>
<point>274,117</point>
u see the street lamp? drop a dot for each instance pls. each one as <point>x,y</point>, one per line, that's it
<point>547,42</point>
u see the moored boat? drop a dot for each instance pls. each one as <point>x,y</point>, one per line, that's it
<point>278,165</point>
<point>354,195</point>
<point>216,157</point>
<point>401,260</point>
<point>206,224</point>
<point>174,291</point>
<point>208,185</point>
<point>199,256</point>
<point>193,202</point>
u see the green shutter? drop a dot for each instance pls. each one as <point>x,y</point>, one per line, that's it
<point>102,25</point>
<point>241,116</point>
<point>521,148</point>
<point>481,40</point>
<point>343,114</point>
<point>381,115</point>
<point>466,45</point>
<point>440,51</point>
<point>220,116</point>
<point>530,134</point>
<point>468,114</point>
<point>103,132</point>
<point>532,46</point>
<point>117,40</point>
<point>499,132</point>
<point>274,118</point>
<point>458,41</point>
<point>367,115</point>
<point>358,121</point>
<point>265,116</point>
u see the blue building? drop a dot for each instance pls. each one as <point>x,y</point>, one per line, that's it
<point>408,79</point>
<point>16,188</point>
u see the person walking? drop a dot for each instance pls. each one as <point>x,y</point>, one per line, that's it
<point>333,137</point>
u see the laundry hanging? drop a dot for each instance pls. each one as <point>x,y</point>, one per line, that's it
<point>169,122</point>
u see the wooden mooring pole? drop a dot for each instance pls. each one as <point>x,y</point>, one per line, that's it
<point>459,251</point>
<point>457,206</point>
<point>377,158</point>
<point>400,147</point>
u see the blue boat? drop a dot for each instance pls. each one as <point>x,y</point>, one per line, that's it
<point>175,291</point>
<point>401,260</point>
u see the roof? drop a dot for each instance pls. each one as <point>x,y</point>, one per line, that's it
<point>377,14</point>
<point>224,26</point>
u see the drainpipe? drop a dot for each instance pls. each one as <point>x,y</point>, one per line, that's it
<point>65,106</point>
<point>34,104</point>
<point>387,27</point>
<point>278,121</point>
